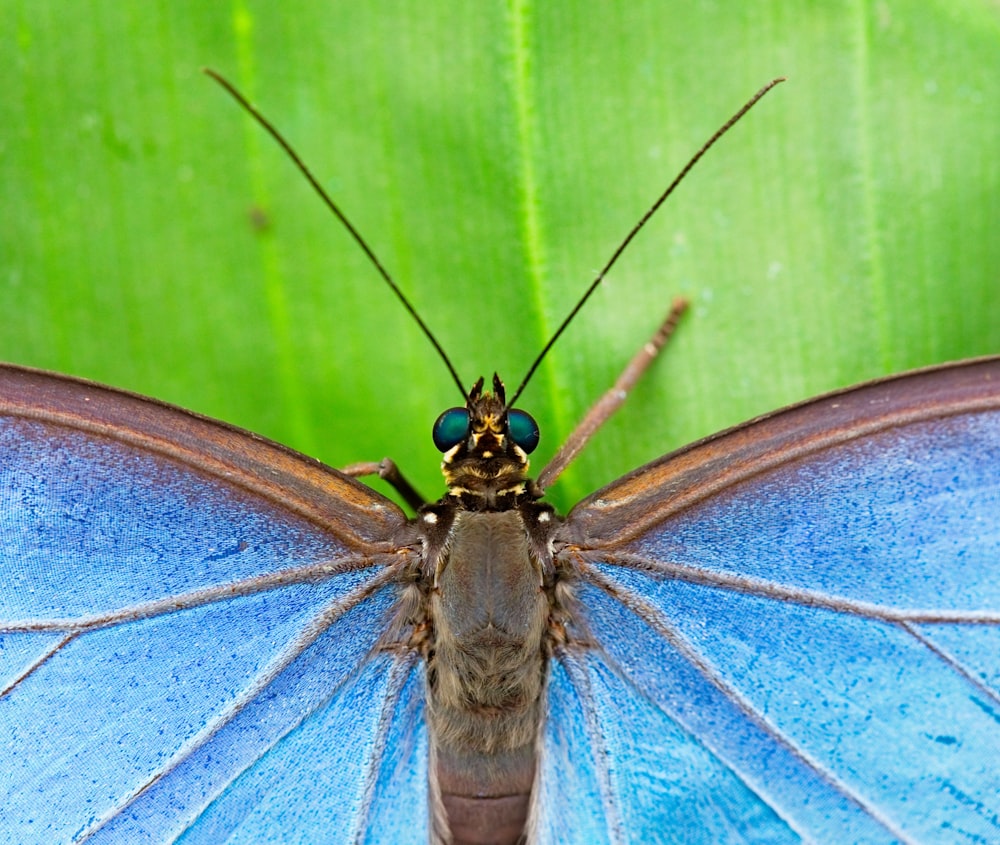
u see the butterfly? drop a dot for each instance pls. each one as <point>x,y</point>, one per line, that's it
<point>788,631</point>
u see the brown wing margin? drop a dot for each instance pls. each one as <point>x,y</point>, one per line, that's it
<point>354,513</point>
<point>629,506</point>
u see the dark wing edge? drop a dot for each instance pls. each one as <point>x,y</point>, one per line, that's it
<point>627,508</point>
<point>356,514</point>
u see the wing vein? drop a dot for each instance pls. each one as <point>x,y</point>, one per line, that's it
<point>952,662</point>
<point>198,598</point>
<point>781,592</point>
<point>401,667</point>
<point>310,632</point>
<point>578,675</point>
<point>658,623</point>
<point>40,661</point>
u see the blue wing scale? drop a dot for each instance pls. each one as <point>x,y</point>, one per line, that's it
<point>839,612</point>
<point>570,803</point>
<point>399,807</point>
<point>169,635</point>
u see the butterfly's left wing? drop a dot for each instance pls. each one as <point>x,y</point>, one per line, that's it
<point>191,632</point>
<point>795,630</point>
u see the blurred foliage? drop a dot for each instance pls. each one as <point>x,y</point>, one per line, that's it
<point>494,154</point>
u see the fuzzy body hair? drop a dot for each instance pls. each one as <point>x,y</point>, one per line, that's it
<point>489,612</point>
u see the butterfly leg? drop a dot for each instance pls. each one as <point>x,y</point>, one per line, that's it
<point>612,400</point>
<point>387,470</point>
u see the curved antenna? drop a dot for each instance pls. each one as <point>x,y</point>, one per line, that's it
<point>722,130</point>
<point>294,156</point>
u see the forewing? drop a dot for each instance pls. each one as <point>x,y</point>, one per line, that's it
<point>814,600</point>
<point>182,606</point>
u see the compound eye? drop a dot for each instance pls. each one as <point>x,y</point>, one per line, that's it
<point>523,430</point>
<point>450,429</point>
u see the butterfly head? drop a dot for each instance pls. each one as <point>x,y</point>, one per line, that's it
<point>486,447</point>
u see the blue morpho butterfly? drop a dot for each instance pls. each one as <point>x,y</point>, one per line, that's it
<point>788,631</point>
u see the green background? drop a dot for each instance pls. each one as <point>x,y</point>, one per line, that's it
<point>494,154</point>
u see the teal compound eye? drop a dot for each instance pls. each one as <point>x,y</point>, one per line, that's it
<point>450,429</point>
<point>523,430</point>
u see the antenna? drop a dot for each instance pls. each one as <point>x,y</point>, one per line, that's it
<point>294,156</point>
<point>722,130</point>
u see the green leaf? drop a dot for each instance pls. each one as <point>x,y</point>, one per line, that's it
<point>494,155</point>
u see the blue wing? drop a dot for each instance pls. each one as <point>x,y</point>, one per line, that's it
<point>795,629</point>
<point>191,622</point>
<point>788,632</point>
